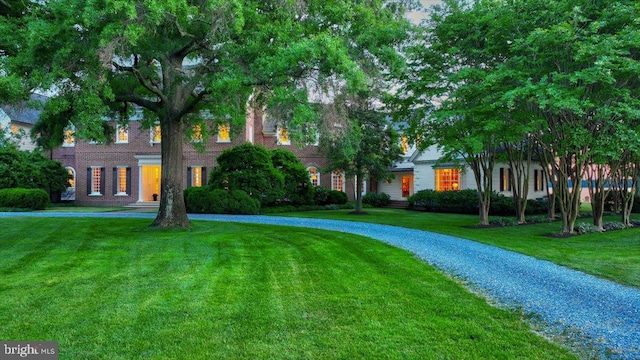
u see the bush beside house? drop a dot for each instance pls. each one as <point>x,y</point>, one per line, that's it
<point>35,199</point>
<point>466,202</point>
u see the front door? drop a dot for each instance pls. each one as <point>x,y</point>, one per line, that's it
<point>150,176</point>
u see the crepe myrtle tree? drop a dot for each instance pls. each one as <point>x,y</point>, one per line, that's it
<point>183,60</point>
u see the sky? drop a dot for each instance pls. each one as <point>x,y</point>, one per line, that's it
<point>417,16</point>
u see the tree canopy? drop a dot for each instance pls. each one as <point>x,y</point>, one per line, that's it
<point>182,60</point>
<point>563,73</point>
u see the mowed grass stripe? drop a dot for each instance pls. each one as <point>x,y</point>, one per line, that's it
<point>113,288</point>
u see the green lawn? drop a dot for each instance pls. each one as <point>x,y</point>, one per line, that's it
<point>613,255</point>
<point>116,289</point>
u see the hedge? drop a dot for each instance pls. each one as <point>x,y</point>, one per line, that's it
<point>36,199</point>
<point>466,202</point>
<point>376,199</point>
<point>204,200</point>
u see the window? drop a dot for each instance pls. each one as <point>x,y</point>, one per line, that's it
<point>406,186</point>
<point>122,134</point>
<point>283,136</point>
<point>196,135</point>
<point>314,175</point>
<point>14,129</point>
<point>223,133</point>
<point>538,180</point>
<point>337,180</point>
<point>404,144</point>
<point>447,179</point>
<point>156,134</point>
<point>121,180</point>
<point>70,193</point>
<point>95,181</point>
<point>505,179</point>
<point>69,138</point>
<point>196,176</point>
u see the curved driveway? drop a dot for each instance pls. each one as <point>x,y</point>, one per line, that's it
<point>592,312</point>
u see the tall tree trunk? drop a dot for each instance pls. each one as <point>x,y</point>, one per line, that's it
<point>597,176</point>
<point>172,211</point>
<point>519,156</point>
<point>482,167</point>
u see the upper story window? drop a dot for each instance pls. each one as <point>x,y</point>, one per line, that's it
<point>314,175</point>
<point>283,136</point>
<point>223,133</point>
<point>196,134</point>
<point>69,137</point>
<point>156,134</point>
<point>447,179</point>
<point>337,180</point>
<point>122,134</point>
<point>404,144</point>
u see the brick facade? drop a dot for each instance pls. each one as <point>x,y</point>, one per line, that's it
<point>139,155</point>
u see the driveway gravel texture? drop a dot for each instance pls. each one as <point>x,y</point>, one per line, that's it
<point>586,311</point>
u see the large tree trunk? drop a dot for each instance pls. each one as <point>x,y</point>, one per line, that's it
<point>172,212</point>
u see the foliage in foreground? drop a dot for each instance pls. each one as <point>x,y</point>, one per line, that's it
<point>114,287</point>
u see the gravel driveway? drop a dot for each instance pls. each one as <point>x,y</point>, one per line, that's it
<point>591,312</point>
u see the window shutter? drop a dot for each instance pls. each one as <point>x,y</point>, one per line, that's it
<point>102,170</point>
<point>89,180</point>
<point>189,181</point>
<point>502,179</point>
<point>204,176</point>
<point>128,180</point>
<point>115,181</point>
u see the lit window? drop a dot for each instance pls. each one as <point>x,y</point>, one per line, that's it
<point>70,193</point>
<point>122,134</point>
<point>283,136</point>
<point>14,129</point>
<point>121,175</point>
<point>404,143</point>
<point>538,180</point>
<point>95,181</point>
<point>223,133</point>
<point>196,176</point>
<point>156,134</point>
<point>337,180</point>
<point>447,179</point>
<point>314,176</point>
<point>197,133</point>
<point>505,179</point>
<point>69,138</point>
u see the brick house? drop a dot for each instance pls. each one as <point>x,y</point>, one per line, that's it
<point>126,172</point>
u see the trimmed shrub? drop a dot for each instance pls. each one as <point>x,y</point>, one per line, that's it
<point>466,202</point>
<point>197,200</point>
<point>297,186</point>
<point>376,199</point>
<point>613,225</point>
<point>320,195</point>
<point>336,197</point>
<point>248,168</point>
<point>36,199</point>
<point>239,202</point>
<point>204,200</point>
